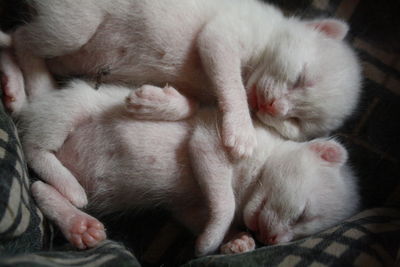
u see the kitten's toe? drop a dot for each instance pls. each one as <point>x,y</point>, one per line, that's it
<point>145,100</point>
<point>155,103</point>
<point>147,95</point>
<point>243,242</point>
<point>84,231</point>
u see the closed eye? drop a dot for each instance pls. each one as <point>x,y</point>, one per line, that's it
<point>303,82</point>
<point>301,219</point>
<point>299,83</point>
<point>295,120</point>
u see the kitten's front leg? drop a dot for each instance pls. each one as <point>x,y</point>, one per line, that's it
<point>213,172</point>
<point>222,62</point>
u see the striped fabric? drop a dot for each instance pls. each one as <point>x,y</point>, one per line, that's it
<point>108,253</point>
<point>360,241</point>
<point>20,219</point>
<point>372,135</point>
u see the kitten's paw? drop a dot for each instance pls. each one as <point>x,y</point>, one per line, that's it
<point>146,101</point>
<point>13,93</point>
<point>84,231</point>
<point>152,102</point>
<point>146,95</point>
<point>239,135</point>
<point>241,243</point>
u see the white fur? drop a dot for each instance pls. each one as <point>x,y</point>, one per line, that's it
<point>5,40</point>
<point>126,164</point>
<point>284,191</point>
<point>302,71</point>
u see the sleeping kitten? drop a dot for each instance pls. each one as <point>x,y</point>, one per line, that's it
<point>284,191</point>
<point>300,77</point>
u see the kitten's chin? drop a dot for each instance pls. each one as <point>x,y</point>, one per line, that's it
<point>274,237</point>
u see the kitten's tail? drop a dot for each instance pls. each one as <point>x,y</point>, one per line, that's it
<point>5,40</point>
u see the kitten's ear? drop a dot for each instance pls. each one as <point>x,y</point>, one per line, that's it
<point>330,151</point>
<point>332,28</point>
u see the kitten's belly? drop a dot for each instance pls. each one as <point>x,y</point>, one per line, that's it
<point>123,50</point>
<point>129,164</point>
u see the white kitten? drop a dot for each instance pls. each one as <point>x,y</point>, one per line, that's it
<point>301,78</point>
<point>284,191</point>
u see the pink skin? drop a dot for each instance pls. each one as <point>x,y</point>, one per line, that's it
<point>332,154</point>
<point>275,107</point>
<point>8,98</point>
<point>12,82</point>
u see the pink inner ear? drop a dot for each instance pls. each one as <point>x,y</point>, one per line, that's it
<point>335,29</point>
<point>330,151</point>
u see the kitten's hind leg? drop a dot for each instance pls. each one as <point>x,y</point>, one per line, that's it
<point>51,170</point>
<point>80,229</point>
<point>12,83</point>
<point>154,103</point>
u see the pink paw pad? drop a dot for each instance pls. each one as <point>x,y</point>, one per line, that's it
<point>242,243</point>
<point>151,93</point>
<point>145,97</point>
<point>85,232</point>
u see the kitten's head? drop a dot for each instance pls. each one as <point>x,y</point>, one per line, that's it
<point>307,81</point>
<point>305,188</point>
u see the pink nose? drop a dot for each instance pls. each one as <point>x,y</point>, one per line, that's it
<point>270,108</point>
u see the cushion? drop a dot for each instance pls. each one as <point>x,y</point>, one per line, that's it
<point>367,239</point>
<point>21,222</point>
<point>108,253</point>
